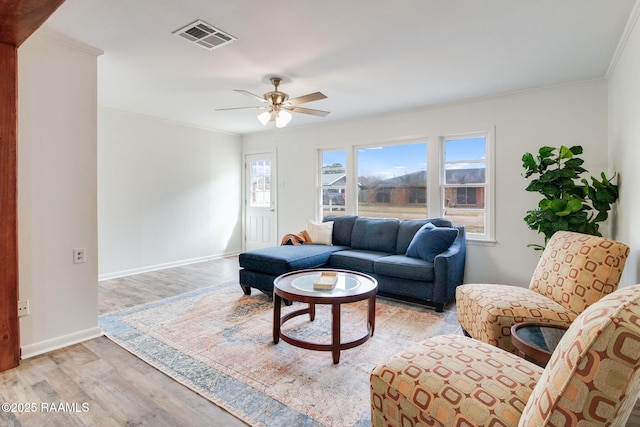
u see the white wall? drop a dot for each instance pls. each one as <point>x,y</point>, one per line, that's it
<point>169,194</point>
<point>624,140</point>
<point>568,115</point>
<point>57,191</point>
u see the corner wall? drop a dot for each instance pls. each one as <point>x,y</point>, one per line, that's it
<point>624,141</point>
<point>169,194</point>
<point>57,187</point>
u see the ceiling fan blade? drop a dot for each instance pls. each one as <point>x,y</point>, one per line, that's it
<point>259,107</point>
<point>253,95</point>
<point>308,111</point>
<point>306,98</point>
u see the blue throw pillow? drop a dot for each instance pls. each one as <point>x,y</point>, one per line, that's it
<point>430,240</point>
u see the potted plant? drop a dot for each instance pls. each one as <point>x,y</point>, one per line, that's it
<point>569,202</point>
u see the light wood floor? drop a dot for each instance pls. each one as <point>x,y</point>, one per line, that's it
<point>120,389</point>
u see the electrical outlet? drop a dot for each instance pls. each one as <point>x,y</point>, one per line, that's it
<point>79,255</point>
<point>23,307</point>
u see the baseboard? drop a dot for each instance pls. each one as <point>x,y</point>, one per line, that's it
<point>46,346</point>
<point>149,268</point>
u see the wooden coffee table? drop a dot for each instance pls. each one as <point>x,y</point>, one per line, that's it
<point>351,286</point>
<point>536,341</point>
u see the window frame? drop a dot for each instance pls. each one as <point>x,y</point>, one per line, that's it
<point>346,208</point>
<point>436,183</point>
<point>489,212</point>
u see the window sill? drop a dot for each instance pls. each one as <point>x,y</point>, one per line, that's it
<point>481,242</point>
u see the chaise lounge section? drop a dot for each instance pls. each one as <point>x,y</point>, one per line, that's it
<point>414,260</point>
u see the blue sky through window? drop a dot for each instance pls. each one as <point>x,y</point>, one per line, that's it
<point>396,160</point>
<point>331,157</point>
<point>392,160</point>
<point>458,150</point>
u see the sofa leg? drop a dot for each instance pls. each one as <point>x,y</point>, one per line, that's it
<point>246,289</point>
<point>439,307</point>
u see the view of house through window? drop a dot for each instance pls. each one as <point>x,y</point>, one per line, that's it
<point>465,182</point>
<point>334,180</point>
<point>392,181</point>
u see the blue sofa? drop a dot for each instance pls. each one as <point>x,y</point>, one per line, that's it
<point>384,248</point>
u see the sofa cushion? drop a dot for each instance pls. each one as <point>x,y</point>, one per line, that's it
<point>409,227</point>
<point>430,240</point>
<point>357,260</point>
<point>375,234</point>
<point>342,228</point>
<point>283,259</point>
<point>320,233</point>
<point>405,267</point>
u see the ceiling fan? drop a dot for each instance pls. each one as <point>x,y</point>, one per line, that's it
<point>277,105</point>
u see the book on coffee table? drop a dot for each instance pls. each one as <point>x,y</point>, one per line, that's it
<point>326,281</point>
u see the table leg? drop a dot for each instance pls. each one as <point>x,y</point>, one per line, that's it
<point>335,333</point>
<point>372,314</point>
<point>312,311</point>
<point>277,308</point>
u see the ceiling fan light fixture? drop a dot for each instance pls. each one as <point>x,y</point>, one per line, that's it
<point>264,117</point>
<point>279,106</point>
<point>283,118</point>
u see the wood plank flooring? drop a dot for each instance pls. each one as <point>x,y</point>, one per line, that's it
<point>118,388</point>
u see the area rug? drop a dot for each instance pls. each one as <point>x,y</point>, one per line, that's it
<point>218,342</point>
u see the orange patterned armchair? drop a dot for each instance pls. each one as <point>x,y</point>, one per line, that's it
<point>574,271</point>
<point>592,378</point>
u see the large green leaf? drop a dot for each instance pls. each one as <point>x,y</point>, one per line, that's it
<point>575,163</point>
<point>546,151</point>
<point>576,149</point>
<point>565,152</point>
<point>605,195</point>
<point>557,205</point>
<point>574,205</point>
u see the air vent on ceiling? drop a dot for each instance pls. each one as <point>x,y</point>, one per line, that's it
<point>205,35</point>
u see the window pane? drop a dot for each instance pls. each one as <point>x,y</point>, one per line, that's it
<point>465,180</point>
<point>392,181</point>
<point>465,160</point>
<point>260,184</point>
<point>334,181</point>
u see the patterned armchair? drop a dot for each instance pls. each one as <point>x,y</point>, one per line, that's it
<point>574,271</point>
<point>592,378</point>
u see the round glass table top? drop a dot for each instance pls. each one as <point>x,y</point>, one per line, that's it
<point>344,283</point>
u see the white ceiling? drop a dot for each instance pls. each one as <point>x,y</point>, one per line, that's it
<point>367,56</point>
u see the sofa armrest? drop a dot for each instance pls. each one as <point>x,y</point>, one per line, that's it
<point>449,269</point>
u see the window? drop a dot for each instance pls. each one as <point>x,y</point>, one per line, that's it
<point>334,181</point>
<point>466,196</point>
<point>439,176</point>
<point>417,195</point>
<point>260,177</point>
<point>392,181</point>
<point>464,186</point>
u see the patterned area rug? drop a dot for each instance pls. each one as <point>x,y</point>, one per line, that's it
<point>219,343</point>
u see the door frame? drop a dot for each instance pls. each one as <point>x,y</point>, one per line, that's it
<point>274,191</point>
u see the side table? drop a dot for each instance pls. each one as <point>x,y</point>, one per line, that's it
<point>536,341</point>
